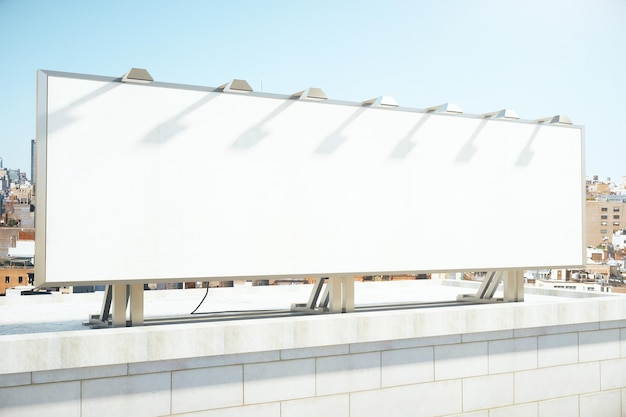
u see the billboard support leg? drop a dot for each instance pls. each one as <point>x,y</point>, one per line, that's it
<point>120,294</point>
<point>115,301</point>
<point>513,288</point>
<point>329,295</point>
<point>348,294</point>
<point>136,304</point>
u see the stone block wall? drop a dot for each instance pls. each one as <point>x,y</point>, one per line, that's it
<point>569,370</point>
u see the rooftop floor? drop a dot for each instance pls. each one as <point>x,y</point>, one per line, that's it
<point>67,312</point>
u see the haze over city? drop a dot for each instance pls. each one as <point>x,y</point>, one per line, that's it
<point>539,58</point>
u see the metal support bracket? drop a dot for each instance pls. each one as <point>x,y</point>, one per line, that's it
<point>329,295</point>
<point>513,288</point>
<point>117,298</point>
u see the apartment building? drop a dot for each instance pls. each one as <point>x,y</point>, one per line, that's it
<point>604,217</point>
<point>14,277</point>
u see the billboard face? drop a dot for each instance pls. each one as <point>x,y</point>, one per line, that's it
<point>165,182</point>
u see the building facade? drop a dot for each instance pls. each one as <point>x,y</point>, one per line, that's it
<point>603,218</point>
<point>13,277</point>
<point>541,359</point>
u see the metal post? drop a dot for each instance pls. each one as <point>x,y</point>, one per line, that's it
<point>119,305</point>
<point>136,304</point>
<point>335,294</point>
<point>348,294</point>
<point>105,311</point>
<point>514,286</point>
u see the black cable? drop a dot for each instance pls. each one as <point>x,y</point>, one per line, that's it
<point>205,294</point>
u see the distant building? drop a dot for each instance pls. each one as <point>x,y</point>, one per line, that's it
<point>18,270</point>
<point>14,277</point>
<point>619,239</point>
<point>14,176</point>
<point>4,181</point>
<point>33,162</point>
<point>603,219</point>
<point>23,193</point>
<point>595,189</point>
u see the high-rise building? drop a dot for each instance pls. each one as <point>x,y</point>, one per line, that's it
<point>33,162</point>
<point>14,175</point>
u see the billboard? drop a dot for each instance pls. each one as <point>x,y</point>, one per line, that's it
<point>166,182</point>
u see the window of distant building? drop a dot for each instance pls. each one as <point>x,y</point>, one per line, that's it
<point>616,216</point>
<point>603,231</point>
<point>20,280</point>
<point>615,208</point>
<point>604,209</point>
<point>603,223</point>
<point>615,223</point>
<point>7,280</point>
<point>604,217</point>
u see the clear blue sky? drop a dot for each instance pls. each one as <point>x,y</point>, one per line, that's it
<point>538,57</point>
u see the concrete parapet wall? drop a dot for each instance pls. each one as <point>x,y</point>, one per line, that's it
<point>523,359</point>
<point>577,370</point>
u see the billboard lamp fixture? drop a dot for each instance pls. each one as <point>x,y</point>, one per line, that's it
<point>138,76</point>
<point>502,114</point>
<point>445,108</point>
<point>381,101</point>
<point>313,93</point>
<point>236,86</point>
<point>559,119</point>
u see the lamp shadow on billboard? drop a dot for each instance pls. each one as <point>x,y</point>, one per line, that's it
<point>408,142</point>
<point>169,129</point>
<point>63,117</point>
<point>469,149</point>
<point>255,134</point>
<point>337,138</point>
<point>527,154</point>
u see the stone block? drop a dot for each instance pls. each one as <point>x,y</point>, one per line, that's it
<point>137,368</point>
<point>332,405</point>
<point>557,381</point>
<point>73,374</point>
<point>605,403</point>
<point>207,388</point>
<point>279,381</point>
<point>557,349</point>
<point>409,400</point>
<point>463,360</point>
<point>138,396</point>
<point>404,343</point>
<point>58,400</point>
<point>567,406</point>
<point>347,373</point>
<point>511,355</point>
<point>12,380</point>
<point>314,352</point>
<point>258,410</point>
<point>613,374</point>
<point>522,410</point>
<point>486,392</point>
<point>407,366</point>
<point>599,345</point>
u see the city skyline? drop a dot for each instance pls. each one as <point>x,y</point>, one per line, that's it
<point>538,58</point>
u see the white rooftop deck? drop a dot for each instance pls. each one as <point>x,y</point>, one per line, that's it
<point>53,324</point>
<point>67,312</point>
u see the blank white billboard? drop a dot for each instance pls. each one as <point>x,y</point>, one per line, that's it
<point>164,182</point>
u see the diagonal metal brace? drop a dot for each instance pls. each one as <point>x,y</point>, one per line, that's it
<point>318,299</point>
<point>487,289</point>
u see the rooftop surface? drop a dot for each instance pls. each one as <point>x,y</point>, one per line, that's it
<point>45,332</point>
<point>67,312</point>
